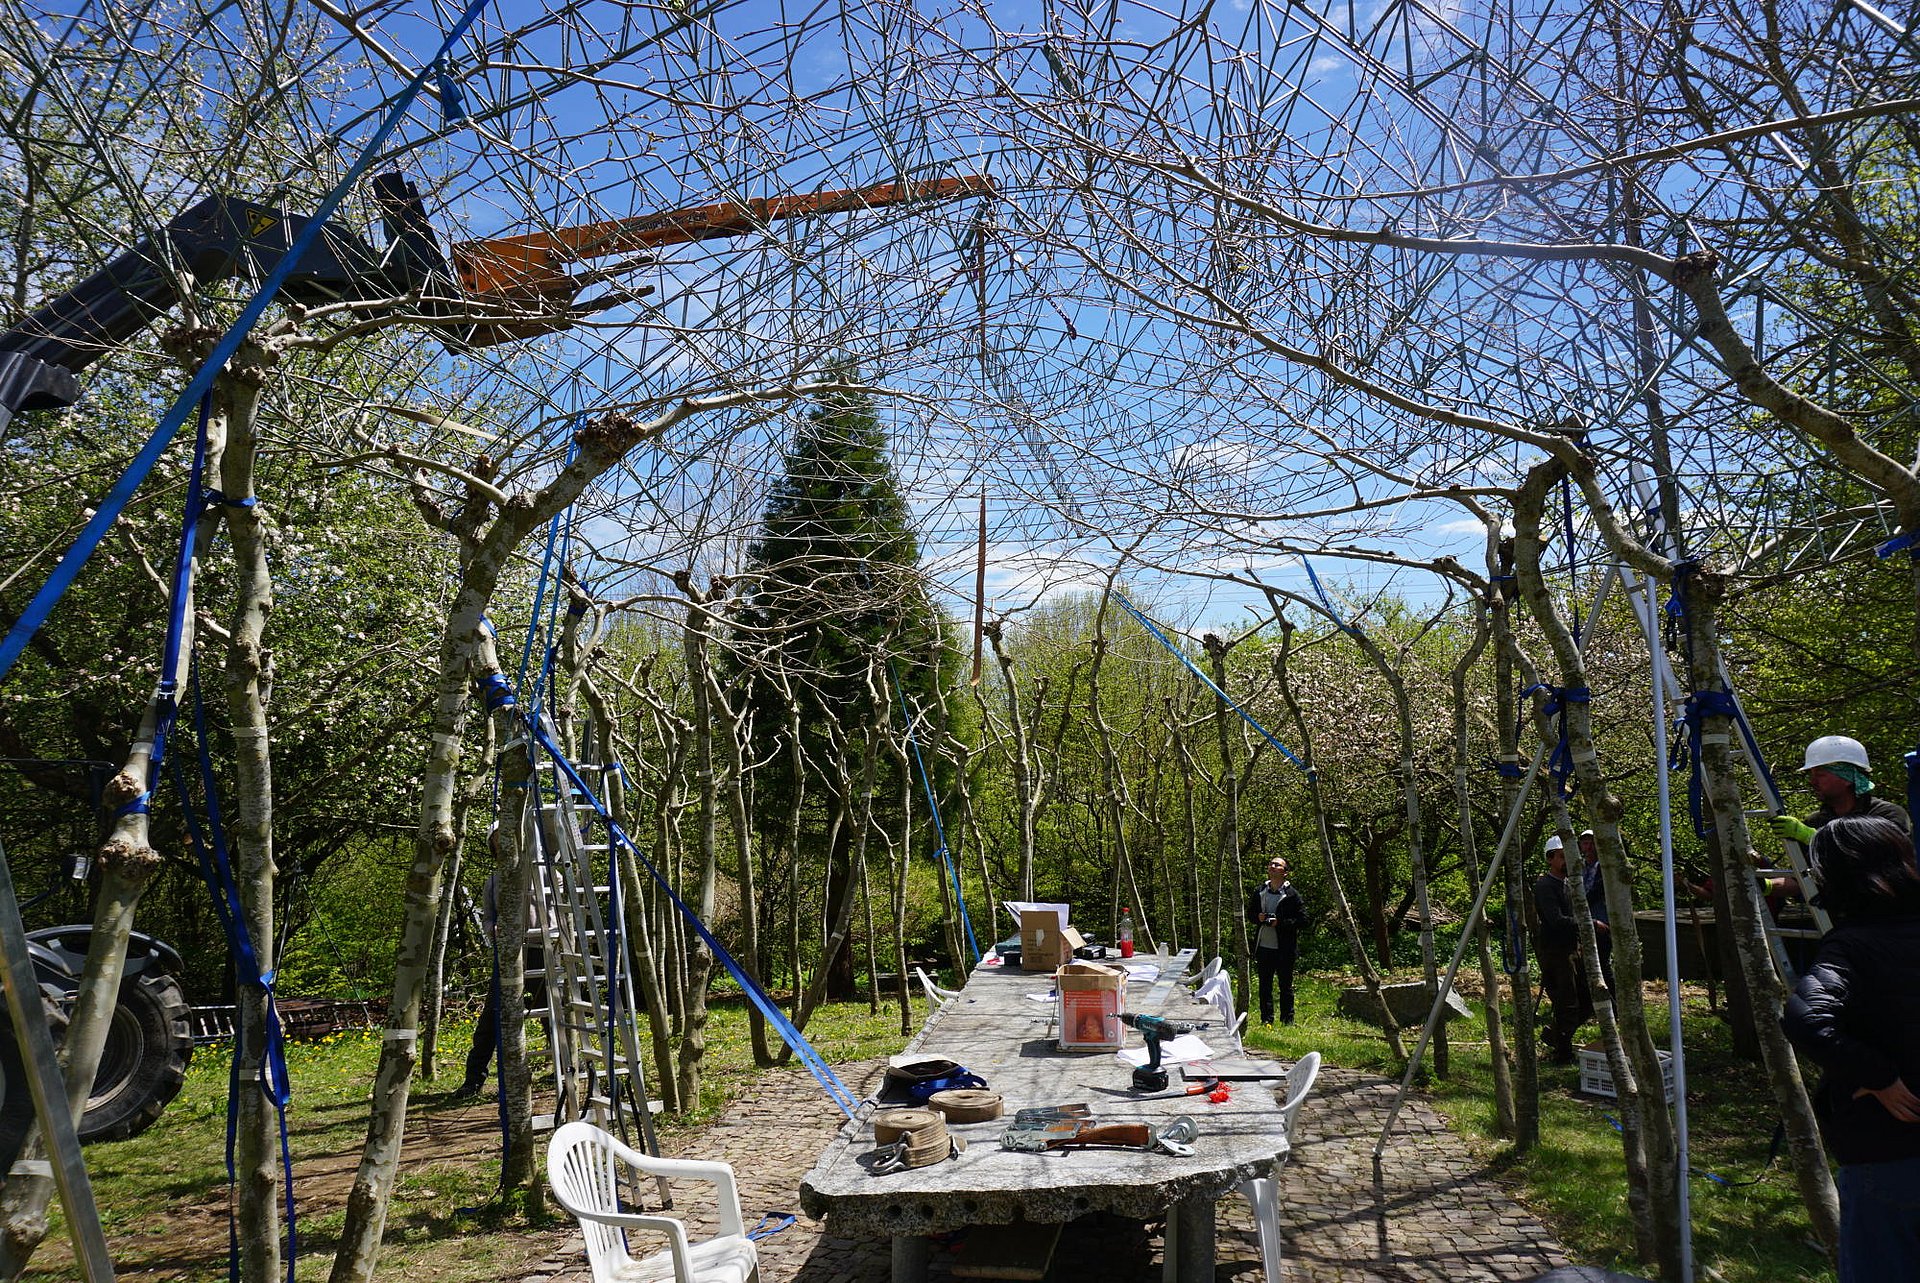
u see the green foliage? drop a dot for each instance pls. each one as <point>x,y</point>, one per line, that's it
<point>831,598</point>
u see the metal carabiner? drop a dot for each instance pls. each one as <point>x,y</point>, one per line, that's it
<point>890,1158</point>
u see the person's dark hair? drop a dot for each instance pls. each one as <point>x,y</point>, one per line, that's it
<point>1865,868</point>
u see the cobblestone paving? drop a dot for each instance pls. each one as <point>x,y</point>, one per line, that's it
<point>1433,1214</point>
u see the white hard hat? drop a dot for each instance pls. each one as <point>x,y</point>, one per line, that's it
<point>1555,844</point>
<point>1831,749</point>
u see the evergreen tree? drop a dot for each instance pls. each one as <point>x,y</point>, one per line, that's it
<point>832,609</point>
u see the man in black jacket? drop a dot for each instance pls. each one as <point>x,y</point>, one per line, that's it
<point>1556,943</point>
<point>1279,913</point>
<point>1856,1013</point>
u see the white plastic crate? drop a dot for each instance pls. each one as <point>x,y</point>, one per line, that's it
<point>1596,1078</point>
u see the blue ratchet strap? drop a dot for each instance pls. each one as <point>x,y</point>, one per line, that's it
<point>761,1229</point>
<point>1908,543</point>
<point>451,93</point>
<point>822,1072</point>
<point>1560,761</point>
<point>1701,705</point>
<point>933,807</point>
<point>1195,669</point>
<point>75,558</point>
<point>1325,603</point>
<point>1507,770</point>
<point>496,693</point>
<point>217,869</point>
<point>179,588</point>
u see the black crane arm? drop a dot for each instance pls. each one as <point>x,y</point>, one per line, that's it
<point>217,238</point>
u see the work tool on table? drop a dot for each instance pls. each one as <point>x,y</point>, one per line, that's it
<point>1175,1138</point>
<point>1051,1113</point>
<point>1153,1030</point>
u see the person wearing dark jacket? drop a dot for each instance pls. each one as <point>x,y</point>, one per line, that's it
<point>1556,944</point>
<point>1279,913</point>
<point>1856,1013</point>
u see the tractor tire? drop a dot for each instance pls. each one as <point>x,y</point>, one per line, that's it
<point>16,1099</point>
<point>145,1059</point>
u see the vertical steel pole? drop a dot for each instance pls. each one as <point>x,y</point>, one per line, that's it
<point>1645,611</point>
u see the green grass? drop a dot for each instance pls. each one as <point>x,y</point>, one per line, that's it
<point>1575,1180</point>
<point>162,1195</point>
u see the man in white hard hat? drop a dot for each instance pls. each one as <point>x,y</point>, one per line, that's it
<point>1837,771</point>
<point>1556,940</point>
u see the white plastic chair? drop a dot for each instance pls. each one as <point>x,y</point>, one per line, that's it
<point>1263,1192</point>
<point>935,994</point>
<point>583,1166</point>
<point>1219,992</point>
<point>1208,972</point>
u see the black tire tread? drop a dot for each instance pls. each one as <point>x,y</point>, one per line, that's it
<point>161,1018</point>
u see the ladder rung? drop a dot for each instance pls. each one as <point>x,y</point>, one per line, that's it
<point>1777,873</point>
<point>1795,933</point>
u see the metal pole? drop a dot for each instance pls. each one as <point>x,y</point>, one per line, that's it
<point>1644,611</point>
<point>42,1071</point>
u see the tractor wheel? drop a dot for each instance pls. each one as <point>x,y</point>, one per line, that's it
<point>16,1100</point>
<point>144,1061</point>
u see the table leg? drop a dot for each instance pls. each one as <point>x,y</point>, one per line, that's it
<point>1191,1249</point>
<point>911,1252</point>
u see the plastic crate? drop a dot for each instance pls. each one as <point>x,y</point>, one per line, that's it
<point>1596,1078</point>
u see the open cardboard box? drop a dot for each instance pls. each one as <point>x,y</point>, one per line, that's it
<point>1047,939</point>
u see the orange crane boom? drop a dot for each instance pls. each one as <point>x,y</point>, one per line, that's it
<point>530,269</point>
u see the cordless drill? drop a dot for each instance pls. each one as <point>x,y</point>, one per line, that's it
<point>1150,1076</point>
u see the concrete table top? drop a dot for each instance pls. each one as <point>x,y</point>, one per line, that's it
<point>997,1032</point>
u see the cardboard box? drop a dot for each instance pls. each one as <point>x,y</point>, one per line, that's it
<point>1047,940</point>
<point>1091,1000</point>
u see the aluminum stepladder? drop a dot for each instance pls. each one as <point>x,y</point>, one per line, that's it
<point>45,1084</point>
<point>1643,594</point>
<point>593,1024</point>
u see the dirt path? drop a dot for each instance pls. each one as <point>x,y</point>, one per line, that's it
<point>1434,1213</point>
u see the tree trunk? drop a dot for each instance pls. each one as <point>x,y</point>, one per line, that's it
<point>1648,1136</point>
<point>693,1033</point>
<point>125,863</point>
<point>1526,1046</point>
<point>1026,788</point>
<point>249,682</point>
<point>1343,909</point>
<point>486,546</point>
<point>837,929</point>
<point>733,737</point>
<point>475,789</point>
<point>515,849</point>
<point>1701,592</point>
<point>1503,1113</point>
<point>1230,825</point>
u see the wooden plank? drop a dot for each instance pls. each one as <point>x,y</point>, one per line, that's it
<point>1017,1251</point>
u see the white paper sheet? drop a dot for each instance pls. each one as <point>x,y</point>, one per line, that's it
<point>1182,1049</point>
<point>1019,907</point>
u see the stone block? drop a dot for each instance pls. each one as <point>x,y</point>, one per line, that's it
<point>1408,1002</point>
